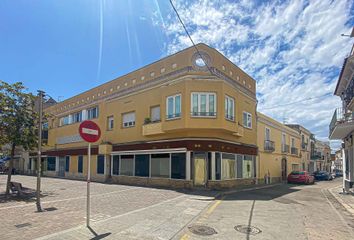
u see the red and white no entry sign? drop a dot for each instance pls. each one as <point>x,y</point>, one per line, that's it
<point>89,131</point>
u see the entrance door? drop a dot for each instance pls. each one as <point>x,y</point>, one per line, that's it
<point>61,167</point>
<point>199,169</point>
<point>284,167</point>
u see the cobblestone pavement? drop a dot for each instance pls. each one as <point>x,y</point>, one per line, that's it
<point>68,198</point>
<point>281,212</point>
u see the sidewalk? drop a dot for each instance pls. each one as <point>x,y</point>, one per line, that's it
<point>346,199</point>
<point>164,220</point>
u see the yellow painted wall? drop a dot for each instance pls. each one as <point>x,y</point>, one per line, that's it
<point>271,161</point>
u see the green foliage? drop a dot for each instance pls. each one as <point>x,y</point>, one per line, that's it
<point>17,116</point>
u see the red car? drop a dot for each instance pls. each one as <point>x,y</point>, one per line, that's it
<point>301,177</point>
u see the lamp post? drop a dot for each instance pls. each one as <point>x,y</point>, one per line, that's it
<point>38,192</point>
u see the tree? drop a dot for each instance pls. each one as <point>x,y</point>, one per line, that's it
<point>17,120</point>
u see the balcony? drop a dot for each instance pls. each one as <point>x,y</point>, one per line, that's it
<point>294,151</point>
<point>317,156</point>
<point>153,128</point>
<point>284,148</point>
<point>342,124</point>
<point>269,146</point>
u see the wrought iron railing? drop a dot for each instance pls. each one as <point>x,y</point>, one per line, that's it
<point>284,148</point>
<point>294,151</point>
<point>340,116</point>
<point>269,146</point>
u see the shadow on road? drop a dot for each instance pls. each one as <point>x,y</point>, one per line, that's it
<point>98,236</point>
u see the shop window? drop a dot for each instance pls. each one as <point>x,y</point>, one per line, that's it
<point>142,165</point>
<point>127,165</point>
<point>160,165</point>
<point>80,162</point>
<point>115,165</point>
<point>203,104</point>
<point>178,165</point>
<point>67,163</point>
<point>248,165</point>
<point>228,166</point>
<point>129,119</point>
<point>100,164</point>
<point>247,120</point>
<point>173,105</point>
<point>50,163</point>
<point>64,120</point>
<point>239,159</point>
<point>217,166</point>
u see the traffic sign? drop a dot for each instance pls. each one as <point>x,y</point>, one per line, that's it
<point>89,131</point>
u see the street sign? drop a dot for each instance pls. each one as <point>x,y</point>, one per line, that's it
<point>89,131</point>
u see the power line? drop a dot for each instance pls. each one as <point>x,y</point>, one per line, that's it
<point>190,38</point>
<point>303,100</point>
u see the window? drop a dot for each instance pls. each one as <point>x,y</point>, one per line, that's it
<point>229,108</point>
<point>228,166</point>
<point>67,163</point>
<point>283,138</point>
<point>92,113</point>
<point>239,165</point>
<point>248,166</point>
<point>127,165</point>
<point>178,165</point>
<point>50,163</point>
<point>129,119</point>
<point>100,164</point>
<point>80,164</point>
<point>77,117</point>
<point>155,114</point>
<point>142,165</point>
<point>115,165</point>
<point>203,104</point>
<point>160,165</point>
<point>295,167</point>
<point>247,120</point>
<point>64,120</point>
<point>110,123</point>
<point>292,142</point>
<point>267,134</point>
<point>173,105</point>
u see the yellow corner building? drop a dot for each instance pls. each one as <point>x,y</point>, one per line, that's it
<point>278,150</point>
<point>188,120</point>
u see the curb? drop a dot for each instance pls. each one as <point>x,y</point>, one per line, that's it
<point>223,194</point>
<point>344,204</point>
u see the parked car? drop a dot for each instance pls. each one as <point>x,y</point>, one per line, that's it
<point>322,175</point>
<point>300,177</point>
<point>339,173</point>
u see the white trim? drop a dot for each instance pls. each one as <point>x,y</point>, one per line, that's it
<point>174,106</point>
<point>207,103</point>
<point>248,115</point>
<point>151,151</point>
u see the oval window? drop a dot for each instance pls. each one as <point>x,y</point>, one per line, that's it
<point>200,62</point>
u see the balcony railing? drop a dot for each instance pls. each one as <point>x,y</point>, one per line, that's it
<point>349,92</point>
<point>294,150</point>
<point>284,148</point>
<point>316,156</point>
<point>203,114</point>
<point>340,116</point>
<point>269,146</point>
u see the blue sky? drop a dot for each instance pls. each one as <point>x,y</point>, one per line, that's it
<point>292,48</point>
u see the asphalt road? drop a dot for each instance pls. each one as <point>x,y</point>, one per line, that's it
<point>280,212</point>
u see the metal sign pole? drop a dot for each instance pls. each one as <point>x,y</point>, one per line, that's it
<point>88,186</point>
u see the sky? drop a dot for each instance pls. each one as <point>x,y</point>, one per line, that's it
<point>293,49</point>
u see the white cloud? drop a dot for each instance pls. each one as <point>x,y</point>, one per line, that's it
<point>293,49</point>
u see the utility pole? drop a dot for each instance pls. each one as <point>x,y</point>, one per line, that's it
<point>38,194</point>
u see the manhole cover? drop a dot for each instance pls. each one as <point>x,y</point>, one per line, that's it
<point>248,229</point>
<point>202,230</point>
<point>23,225</point>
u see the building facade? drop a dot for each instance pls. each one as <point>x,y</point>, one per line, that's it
<point>188,120</point>
<point>278,152</point>
<point>305,146</point>
<point>342,123</point>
